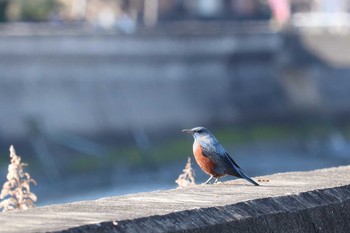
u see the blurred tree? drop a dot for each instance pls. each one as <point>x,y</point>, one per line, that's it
<point>32,10</point>
<point>3,7</point>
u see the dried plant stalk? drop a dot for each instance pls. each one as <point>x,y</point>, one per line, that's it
<point>187,177</point>
<point>16,190</point>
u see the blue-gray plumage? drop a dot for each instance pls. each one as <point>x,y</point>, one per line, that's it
<point>212,157</point>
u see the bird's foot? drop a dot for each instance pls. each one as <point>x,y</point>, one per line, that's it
<point>217,181</point>
<point>206,182</point>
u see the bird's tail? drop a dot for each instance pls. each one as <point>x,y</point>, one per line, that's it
<point>239,172</point>
<point>244,176</point>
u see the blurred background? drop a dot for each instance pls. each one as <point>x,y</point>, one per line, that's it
<point>94,93</point>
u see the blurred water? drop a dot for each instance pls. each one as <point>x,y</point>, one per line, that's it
<point>256,158</point>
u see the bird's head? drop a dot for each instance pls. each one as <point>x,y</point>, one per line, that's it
<point>198,132</point>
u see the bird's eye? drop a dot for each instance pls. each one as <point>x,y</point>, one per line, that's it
<point>199,131</point>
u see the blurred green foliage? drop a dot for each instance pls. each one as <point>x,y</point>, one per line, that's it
<point>84,164</point>
<point>32,10</point>
<point>258,132</point>
<point>178,149</point>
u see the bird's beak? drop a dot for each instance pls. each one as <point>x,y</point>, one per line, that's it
<point>187,131</point>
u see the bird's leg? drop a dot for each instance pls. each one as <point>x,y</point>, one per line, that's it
<point>206,182</point>
<point>216,180</point>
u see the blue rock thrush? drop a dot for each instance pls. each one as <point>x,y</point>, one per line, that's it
<point>212,157</point>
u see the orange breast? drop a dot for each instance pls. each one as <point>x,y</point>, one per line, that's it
<point>204,163</point>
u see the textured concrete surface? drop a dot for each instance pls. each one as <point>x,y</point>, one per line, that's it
<point>314,201</point>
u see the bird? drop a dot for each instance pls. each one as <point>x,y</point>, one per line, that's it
<point>212,158</point>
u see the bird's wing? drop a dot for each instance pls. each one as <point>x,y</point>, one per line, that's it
<point>211,153</point>
<point>219,156</point>
<point>231,159</point>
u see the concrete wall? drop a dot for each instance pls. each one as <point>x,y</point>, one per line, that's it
<point>89,84</point>
<point>100,83</point>
<point>314,201</point>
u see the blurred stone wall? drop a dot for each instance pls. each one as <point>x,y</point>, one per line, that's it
<point>91,84</point>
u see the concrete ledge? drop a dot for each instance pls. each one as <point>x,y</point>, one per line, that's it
<point>315,201</point>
